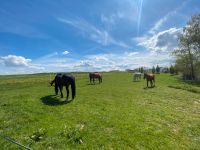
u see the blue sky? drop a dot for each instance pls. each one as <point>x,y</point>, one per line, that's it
<point>89,35</point>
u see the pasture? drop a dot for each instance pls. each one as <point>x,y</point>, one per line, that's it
<point>116,114</point>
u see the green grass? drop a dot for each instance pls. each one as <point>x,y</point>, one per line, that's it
<point>117,114</point>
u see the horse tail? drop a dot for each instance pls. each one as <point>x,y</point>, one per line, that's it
<point>73,88</point>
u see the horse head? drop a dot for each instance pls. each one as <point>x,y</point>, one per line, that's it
<point>51,82</point>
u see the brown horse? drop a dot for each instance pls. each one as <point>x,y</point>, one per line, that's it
<point>94,76</point>
<point>151,78</point>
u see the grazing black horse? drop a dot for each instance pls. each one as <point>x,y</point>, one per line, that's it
<point>151,78</point>
<point>64,80</point>
<point>94,76</point>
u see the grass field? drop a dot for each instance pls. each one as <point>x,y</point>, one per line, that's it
<point>117,114</point>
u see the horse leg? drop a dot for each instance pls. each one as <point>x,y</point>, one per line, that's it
<point>67,89</point>
<point>147,83</point>
<point>151,83</point>
<point>93,81</point>
<point>60,87</point>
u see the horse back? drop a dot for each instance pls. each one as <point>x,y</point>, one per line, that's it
<point>152,76</point>
<point>95,75</point>
<point>67,78</point>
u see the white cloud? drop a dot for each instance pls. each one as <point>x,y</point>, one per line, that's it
<point>65,52</point>
<point>13,64</point>
<point>98,62</point>
<point>164,41</point>
<point>112,61</point>
<point>122,61</point>
<point>14,61</point>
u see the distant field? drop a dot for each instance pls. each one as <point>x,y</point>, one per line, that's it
<point>117,114</point>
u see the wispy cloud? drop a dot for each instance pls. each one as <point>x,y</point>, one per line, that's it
<point>159,23</point>
<point>93,33</point>
<point>49,55</point>
<point>113,18</point>
<point>139,16</point>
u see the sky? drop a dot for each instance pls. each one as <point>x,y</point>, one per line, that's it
<point>90,35</point>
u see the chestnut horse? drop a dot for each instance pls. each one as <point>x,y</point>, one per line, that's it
<point>151,78</point>
<point>94,76</point>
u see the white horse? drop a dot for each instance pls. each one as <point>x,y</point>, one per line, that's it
<point>137,76</point>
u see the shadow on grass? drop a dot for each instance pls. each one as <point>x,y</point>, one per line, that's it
<point>189,82</point>
<point>53,100</point>
<point>146,88</point>
<point>187,85</point>
<point>136,80</point>
<point>186,88</point>
<point>93,83</point>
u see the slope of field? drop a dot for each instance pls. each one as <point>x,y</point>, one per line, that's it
<point>117,114</point>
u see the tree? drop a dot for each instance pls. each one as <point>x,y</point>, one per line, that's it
<point>188,53</point>
<point>171,69</point>
<point>139,70</point>
<point>157,69</point>
<point>142,70</point>
<point>153,70</point>
<point>167,70</point>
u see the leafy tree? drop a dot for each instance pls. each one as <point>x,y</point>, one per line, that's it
<point>142,70</point>
<point>171,69</point>
<point>139,69</point>
<point>188,53</point>
<point>153,69</point>
<point>167,70</point>
<point>157,69</point>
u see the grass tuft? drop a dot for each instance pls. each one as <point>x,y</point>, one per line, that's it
<point>38,135</point>
<point>73,134</point>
